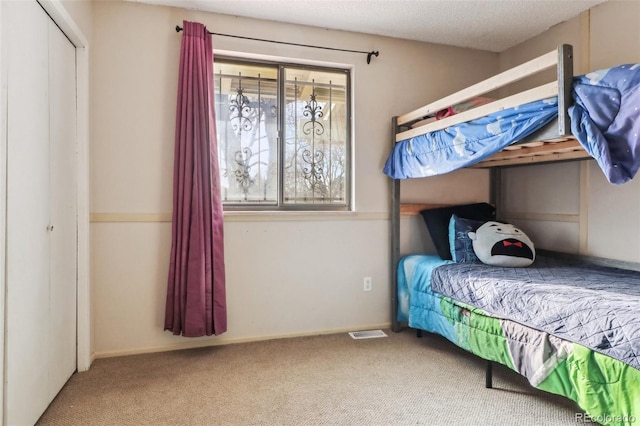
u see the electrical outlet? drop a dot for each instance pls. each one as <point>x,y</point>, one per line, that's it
<point>367,284</point>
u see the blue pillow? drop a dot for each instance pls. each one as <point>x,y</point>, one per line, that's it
<point>460,244</point>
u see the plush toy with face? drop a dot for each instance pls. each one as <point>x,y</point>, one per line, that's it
<point>502,244</point>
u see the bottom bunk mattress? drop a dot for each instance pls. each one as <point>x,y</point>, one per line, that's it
<point>606,388</point>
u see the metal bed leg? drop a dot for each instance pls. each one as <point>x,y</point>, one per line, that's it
<point>489,375</point>
<point>395,237</point>
<point>418,333</point>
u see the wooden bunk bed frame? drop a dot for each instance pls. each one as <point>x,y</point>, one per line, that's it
<point>553,143</point>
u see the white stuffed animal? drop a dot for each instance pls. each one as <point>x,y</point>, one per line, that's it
<point>502,244</point>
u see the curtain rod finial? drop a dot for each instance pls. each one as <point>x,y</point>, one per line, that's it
<point>178,29</point>
<point>374,53</point>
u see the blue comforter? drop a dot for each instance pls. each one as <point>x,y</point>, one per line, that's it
<point>605,119</point>
<point>465,144</point>
<point>592,305</point>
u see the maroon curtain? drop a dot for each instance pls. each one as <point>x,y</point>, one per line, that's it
<point>196,300</point>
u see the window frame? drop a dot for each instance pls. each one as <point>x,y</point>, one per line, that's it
<point>280,206</point>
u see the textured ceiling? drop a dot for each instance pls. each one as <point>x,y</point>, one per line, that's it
<point>493,25</point>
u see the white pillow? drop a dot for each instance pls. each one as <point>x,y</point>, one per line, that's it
<point>502,244</point>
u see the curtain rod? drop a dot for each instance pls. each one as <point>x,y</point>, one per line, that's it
<point>369,54</point>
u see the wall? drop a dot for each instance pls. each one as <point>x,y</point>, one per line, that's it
<point>287,274</point>
<point>459,187</point>
<point>570,206</point>
<point>82,14</point>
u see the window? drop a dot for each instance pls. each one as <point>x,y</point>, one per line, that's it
<point>283,135</point>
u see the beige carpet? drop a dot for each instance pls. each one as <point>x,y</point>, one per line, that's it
<point>321,380</point>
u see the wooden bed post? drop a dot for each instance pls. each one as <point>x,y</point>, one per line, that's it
<point>395,236</point>
<point>565,83</point>
<point>495,185</point>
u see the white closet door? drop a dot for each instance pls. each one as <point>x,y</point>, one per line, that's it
<point>27,298</point>
<point>41,212</point>
<point>63,208</point>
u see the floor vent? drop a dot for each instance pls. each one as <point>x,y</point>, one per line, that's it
<point>367,334</point>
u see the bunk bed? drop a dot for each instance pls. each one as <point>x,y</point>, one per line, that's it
<point>498,313</point>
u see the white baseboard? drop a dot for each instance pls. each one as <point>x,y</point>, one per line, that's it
<point>224,341</point>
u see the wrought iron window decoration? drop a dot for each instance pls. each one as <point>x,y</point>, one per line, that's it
<point>369,54</point>
<point>244,114</point>
<point>241,117</point>
<point>312,171</point>
<point>314,112</point>
<point>242,172</point>
<point>241,113</point>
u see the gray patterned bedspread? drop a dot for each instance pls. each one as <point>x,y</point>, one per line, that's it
<point>596,306</point>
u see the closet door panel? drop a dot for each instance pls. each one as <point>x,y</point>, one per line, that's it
<point>63,207</point>
<point>27,308</point>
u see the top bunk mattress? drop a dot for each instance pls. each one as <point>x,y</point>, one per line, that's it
<point>605,119</point>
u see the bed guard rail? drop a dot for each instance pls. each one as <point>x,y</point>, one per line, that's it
<point>561,58</point>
